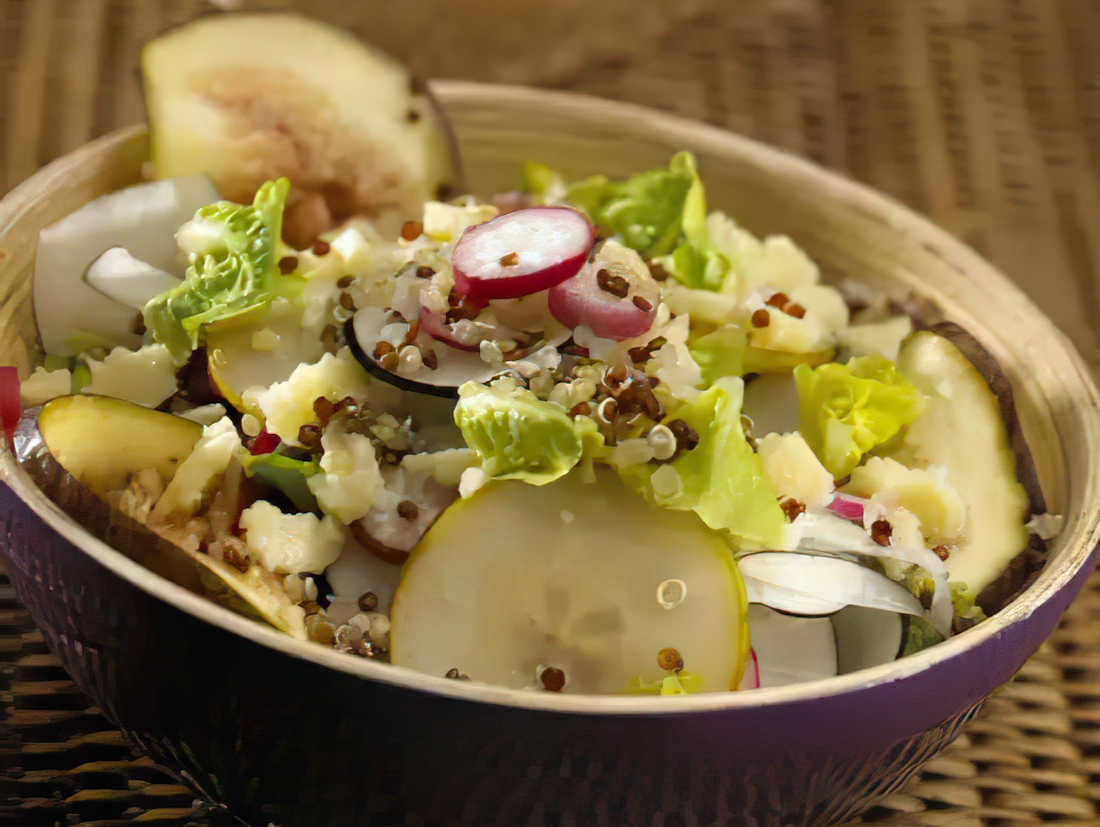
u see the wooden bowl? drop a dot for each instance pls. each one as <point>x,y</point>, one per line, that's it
<point>295,733</point>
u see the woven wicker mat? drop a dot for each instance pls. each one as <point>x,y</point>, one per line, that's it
<point>983,114</point>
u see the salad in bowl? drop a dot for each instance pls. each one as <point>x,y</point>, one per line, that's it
<point>587,436</point>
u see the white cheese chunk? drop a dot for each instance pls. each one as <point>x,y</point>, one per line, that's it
<point>291,543</point>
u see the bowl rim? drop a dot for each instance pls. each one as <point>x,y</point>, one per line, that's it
<point>623,116</point>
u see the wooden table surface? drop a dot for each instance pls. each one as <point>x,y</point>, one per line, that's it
<point>982,114</point>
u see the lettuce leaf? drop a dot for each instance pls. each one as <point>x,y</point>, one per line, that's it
<point>720,353</point>
<point>846,410</point>
<point>233,251</point>
<point>721,479</point>
<point>516,435</point>
<point>650,210</point>
<point>288,475</point>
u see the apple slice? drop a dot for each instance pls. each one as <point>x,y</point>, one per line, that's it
<point>251,96</point>
<point>519,578</point>
<point>521,252</point>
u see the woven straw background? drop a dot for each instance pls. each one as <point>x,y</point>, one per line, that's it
<point>982,114</point>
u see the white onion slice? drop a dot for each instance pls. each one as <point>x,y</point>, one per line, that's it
<point>814,582</point>
<point>127,280</point>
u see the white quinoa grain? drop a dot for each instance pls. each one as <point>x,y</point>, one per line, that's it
<point>250,425</point>
<point>662,441</point>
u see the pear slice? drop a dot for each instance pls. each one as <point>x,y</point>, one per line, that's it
<point>569,575</point>
<point>80,449</point>
<point>251,96</point>
<point>963,431</point>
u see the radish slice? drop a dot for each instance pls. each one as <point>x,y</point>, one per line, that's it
<point>11,407</point>
<point>452,366</point>
<point>613,294</point>
<point>865,638</point>
<point>128,280</point>
<point>435,325</point>
<point>521,252</point>
<point>825,579</point>
<point>751,680</point>
<point>791,649</point>
<point>264,443</point>
<point>848,507</point>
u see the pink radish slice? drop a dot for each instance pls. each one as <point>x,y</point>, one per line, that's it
<point>613,294</point>
<point>521,252</point>
<point>435,325</point>
<point>848,507</point>
<point>751,680</point>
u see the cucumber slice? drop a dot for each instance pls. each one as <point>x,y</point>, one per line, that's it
<point>252,96</point>
<point>962,430</point>
<point>520,577</point>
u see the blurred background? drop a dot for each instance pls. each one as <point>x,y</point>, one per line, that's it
<point>982,114</point>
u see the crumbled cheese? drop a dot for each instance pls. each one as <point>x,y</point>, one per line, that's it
<point>204,414</point>
<point>471,480</point>
<point>354,249</point>
<point>446,222</point>
<point>884,337</point>
<point>446,466</point>
<point>666,483</point>
<point>291,543</point>
<point>206,462</point>
<point>43,385</point>
<point>1046,526</point>
<point>926,493</point>
<point>287,406</point>
<point>349,477</point>
<point>794,470</point>
<point>822,304</point>
<point>146,376</point>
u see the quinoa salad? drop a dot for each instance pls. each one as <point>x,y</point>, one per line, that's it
<point>588,436</point>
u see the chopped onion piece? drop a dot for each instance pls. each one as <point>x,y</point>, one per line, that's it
<point>810,582</point>
<point>821,531</point>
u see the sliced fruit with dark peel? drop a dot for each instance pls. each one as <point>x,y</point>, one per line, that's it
<point>392,529</point>
<point>518,578</point>
<point>964,430</point>
<point>246,97</point>
<point>70,448</point>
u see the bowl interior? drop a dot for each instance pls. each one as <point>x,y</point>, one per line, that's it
<point>850,231</point>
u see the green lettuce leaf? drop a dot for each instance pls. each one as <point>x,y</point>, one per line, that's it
<point>540,181</point>
<point>720,353</point>
<point>517,435</point>
<point>846,410</point>
<point>721,479</point>
<point>650,210</point>
<point>285,474</point>
<point>233,250</point>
